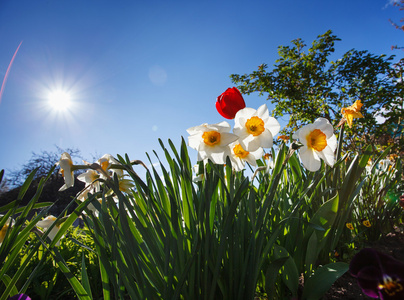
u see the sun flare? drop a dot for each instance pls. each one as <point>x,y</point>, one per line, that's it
<point>59,100</point>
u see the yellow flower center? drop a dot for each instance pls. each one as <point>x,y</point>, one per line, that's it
<point>316,140</point>
<point>211,138</point>
<point>240,152</point>
<point>390,286</point>
<point>255,126</point>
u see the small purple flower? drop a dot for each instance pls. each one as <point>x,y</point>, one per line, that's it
<point>378,274</point>
<point>19,297</point>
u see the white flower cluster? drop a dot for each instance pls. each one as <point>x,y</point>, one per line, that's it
<point>102,169</point>
<point>253,131</point>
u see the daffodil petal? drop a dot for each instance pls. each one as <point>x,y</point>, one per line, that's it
<point>273,125</point>
<point>266,139</point>
<point>47,222</point>
<point>325,126</point>
<point>250,143</point>
<point>194,141</point>
<point>310,159</point>
<point>262,112</point>
<point>227,138</point>
<point>242,115</point>
<point>196,129</point>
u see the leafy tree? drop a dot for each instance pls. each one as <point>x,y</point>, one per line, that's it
<point>307,85</point>
<point>400,5</point>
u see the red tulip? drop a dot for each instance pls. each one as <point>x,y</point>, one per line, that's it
<point>229,103</point>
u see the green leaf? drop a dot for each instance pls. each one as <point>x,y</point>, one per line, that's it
<point>272,274</point>
<point>326,213</point>
<point>311,252</point>
<point>74,282</point>
<point>84,277</point>
<point>7,280</point>
<point>322,280</point>
<point>289,272</point>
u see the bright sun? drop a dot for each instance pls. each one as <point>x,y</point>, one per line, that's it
<point>59,100</point>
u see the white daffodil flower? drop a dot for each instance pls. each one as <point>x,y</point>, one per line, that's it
<point>66,169</point>
<point>106,161</point>
<point>92,208</point>
<point>211,141</point>
<point>46,223</point>
<point>255,128</point>
<point>239,156</point>
<point>197,177</point>
<point>91,188</point>
<point>4,229</point>
<point>319,142</point>
<point>269,162</point>
<point>125,185</point>
<point>89,178</point>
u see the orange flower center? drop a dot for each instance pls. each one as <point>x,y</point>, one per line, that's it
<point>105,165</point>
<point>317,140</point>
<point>255,126</point>
<point>240,152</point>
<point>390,286</point>
<point>211,138</point>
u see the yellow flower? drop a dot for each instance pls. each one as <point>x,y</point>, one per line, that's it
<point>284,138</point>
<point>349,226</point>
<point>366,223</point>
<point>351,112</point>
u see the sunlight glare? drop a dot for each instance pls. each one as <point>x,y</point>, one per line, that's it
<point>59,100</point>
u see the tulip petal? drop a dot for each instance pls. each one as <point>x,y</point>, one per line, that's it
<point>229,103</point>
<point>221,112</point>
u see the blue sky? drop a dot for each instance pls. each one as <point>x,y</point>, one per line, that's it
<point>137,71</point>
